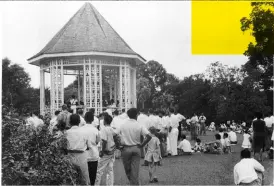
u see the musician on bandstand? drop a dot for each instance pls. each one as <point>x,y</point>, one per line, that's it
<point>73,102</point>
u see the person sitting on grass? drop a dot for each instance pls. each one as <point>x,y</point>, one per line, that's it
<point>198,147</point>
<point>227,147</point>
<point>214,147</point>
<point>248,171</point>
<point>153,155</point>
<point>246,140</point>
<point>184,146</point>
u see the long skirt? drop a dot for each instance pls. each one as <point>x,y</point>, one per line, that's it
<point>173,137</point>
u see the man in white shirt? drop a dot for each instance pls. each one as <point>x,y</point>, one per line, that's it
<point>96,120</point>
<point>53,122</point>
<point>185,146</point>
<point>232,136</point>
<point>82,120</point>
<point>78,143</point>
<point>73,102</point>
<point>91,133</point>
<point>248,171</point>
<point>123,114</point>
<point>173,135</point>
<point>194,127</point>
<point>131,132</point>
<point>202,120</point>
<point>143,118</point>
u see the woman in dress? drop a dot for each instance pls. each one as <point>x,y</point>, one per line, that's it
<point>259,133</point>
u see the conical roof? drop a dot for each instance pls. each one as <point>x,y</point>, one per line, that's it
<point>86,31</point>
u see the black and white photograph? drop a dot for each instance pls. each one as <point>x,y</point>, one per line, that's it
<point>137,92</point>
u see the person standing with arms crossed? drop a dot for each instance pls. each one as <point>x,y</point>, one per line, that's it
<point>131,132</point>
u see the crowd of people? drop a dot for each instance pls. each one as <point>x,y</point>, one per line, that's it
<point>93,143</point>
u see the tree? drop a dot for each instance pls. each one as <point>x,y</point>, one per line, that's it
<point>14,81</point>
<point>143,91</point>
<point>261,54</point>
<point>156,75</point>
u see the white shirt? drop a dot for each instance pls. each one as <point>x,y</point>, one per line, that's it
<point>154,121</point>
<point>243,124</point>
<point>143,120</point>
<point>95,121</point>
<point>82,122</point>
<point>131,132</point>
<point>76,139</point>
<point>194,119</point>
<point>109,111</point>
<point>246,142</point>
<point>116,123</point>
<point>180,117</point>
<point>185,146</point>
<point>188,121</point>
<point>123,116</point>
<point>202,119</point>
<point>232,136</point>
<point>174,121</point>
<point>107,134</point>
<point>91,133</point>
<point>226,142</point>
<point>268,122</point>
<point>244,171</point>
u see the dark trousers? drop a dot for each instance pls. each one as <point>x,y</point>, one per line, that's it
<point>203,129</point>
<point>131,157</point>
<point>180,130</point>
<point>92,170</point>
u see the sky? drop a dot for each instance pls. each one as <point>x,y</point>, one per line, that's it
<point>156,30</point>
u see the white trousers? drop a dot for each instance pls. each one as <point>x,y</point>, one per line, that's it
<point>173,140</point>
<point>105,163</point>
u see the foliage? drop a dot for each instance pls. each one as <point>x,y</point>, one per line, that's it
<point>260,54</point>
<point>143,90</point>
<point>16,90</point>
<point>33,158</point>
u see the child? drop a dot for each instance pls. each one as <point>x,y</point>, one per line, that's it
<point>184,146</point>
<point>198,146</point>
<point>232,136</point>
<point>246,140</point>
<point>153,155</point>
<point>214,147</point>
<point>227,147</point>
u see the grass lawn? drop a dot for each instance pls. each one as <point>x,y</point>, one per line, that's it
<point>197,169</point>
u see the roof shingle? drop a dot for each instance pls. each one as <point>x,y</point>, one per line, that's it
<point>86,31</point>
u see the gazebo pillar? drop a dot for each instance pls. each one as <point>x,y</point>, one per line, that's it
<point>42,90</point>
<point>56,85</point>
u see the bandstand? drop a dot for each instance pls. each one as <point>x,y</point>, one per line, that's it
<point>88,47</point>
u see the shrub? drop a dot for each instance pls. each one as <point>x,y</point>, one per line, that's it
<point>33,158</point>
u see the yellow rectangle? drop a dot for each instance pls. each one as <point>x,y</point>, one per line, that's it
<point>216,27</point>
